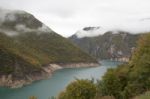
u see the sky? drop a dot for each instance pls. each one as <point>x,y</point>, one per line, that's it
<point>68,16</point>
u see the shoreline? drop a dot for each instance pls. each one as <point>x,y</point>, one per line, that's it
<point>45,73</point>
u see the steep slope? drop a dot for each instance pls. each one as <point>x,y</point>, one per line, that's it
<point>127,81</point>
<point>27,47</point>
<point>131,79</point>
<point>111,45</point>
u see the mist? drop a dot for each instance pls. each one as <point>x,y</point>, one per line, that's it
<point>67,17</point>
<point>10,16</point>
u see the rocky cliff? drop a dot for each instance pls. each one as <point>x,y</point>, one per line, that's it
<point>115,45</point>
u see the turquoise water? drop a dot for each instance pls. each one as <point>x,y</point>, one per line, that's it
<point>51,87</point>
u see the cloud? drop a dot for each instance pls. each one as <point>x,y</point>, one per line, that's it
<point>67,16</point>
<point>44,28</point>
<point>10,15</point>
<point>3,14</point>
<point>90,33</point>
<point>23,28</point>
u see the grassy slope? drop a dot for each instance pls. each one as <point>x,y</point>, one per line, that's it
<point>30,50</point>
<point>37,50</point>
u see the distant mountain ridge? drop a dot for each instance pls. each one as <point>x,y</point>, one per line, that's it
<point>29,49</point>
<point>110,45</point>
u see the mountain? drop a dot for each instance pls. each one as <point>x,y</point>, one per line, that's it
<point>130,80</point>
<point>116,45</point>
<point>29,50</point>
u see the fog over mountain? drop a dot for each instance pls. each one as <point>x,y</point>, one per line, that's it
<point>68,16</point>
<point>15,18</point>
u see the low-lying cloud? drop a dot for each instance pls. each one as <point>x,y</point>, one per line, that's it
<point>67,16</point>
<point>11,16</point>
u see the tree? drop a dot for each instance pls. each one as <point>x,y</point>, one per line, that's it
<point>124,82</point>
<point>129,79</point>
<point>110,85</point>
<point>79,89</point>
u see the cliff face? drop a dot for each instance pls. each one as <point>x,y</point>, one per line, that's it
<point>110,45</point>
<point>27,46</point>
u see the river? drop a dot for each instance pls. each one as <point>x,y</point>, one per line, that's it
<point>44,89</point>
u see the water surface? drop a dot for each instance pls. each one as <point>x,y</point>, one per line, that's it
<point>44,89</point>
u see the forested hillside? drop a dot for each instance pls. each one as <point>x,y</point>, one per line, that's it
<point>125,82</point>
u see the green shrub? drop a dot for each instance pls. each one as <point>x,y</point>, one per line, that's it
<point>131,79</point>
<point>79,89</point>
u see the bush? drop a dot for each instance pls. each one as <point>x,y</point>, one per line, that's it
<point>124,82</point>
<point>79,89</point>
<point>111,84</point>
<point>131,79</point>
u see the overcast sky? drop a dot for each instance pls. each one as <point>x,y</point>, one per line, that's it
<point>67,16</point>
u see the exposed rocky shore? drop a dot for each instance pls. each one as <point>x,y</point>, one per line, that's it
<point>46,72</point>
